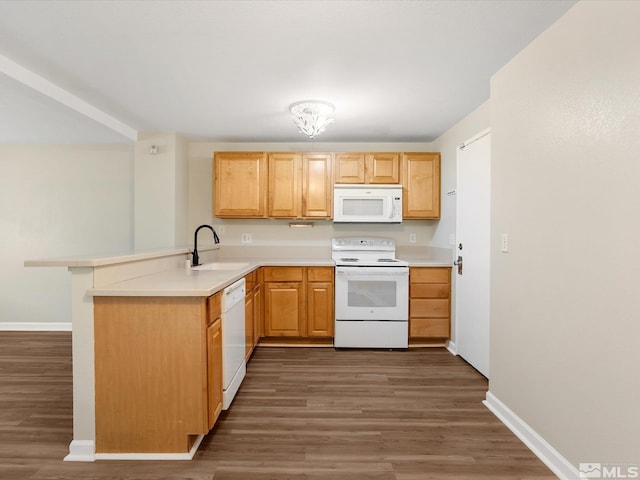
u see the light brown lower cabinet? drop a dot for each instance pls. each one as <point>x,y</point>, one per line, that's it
<point>429,302</point>
<point>320,303</point>
<point>248,324</point>
<point>298,302</point>
<point>158,372</point>
<point>214,370</point>
<point>258,308</point>
<point>253,311</point>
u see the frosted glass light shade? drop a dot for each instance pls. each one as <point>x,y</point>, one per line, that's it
<point>312,116</point>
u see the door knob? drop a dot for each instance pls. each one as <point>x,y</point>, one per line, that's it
<point>458,263</point>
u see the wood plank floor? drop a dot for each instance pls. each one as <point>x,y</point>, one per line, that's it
<point>301,414</point>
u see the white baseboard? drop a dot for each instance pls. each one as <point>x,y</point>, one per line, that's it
<point>84,451</point>
<point>35,326</point>
<point>559,465</point>
<point>152,456</point>
<point>451,346</point>
<point>81,451</point>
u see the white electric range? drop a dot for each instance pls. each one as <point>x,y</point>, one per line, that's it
<point>371,293</point>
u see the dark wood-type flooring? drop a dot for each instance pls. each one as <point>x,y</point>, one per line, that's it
<point>301,414</point>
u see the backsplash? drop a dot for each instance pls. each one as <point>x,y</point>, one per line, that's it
<point>279,233</point>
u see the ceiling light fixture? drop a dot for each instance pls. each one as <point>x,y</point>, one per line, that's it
<point>312,116</point>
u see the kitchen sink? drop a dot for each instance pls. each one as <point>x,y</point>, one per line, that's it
<point>221,266</point>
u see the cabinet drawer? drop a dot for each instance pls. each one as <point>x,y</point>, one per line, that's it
<point>214,308</point>
<point>320,274</point>
<point>283,274</point>
<point>427,307</point>
<point>429,327</point>
<point>429,275</point>
<point>429,290</point>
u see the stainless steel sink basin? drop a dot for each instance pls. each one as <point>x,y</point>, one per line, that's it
<point>221,266</point>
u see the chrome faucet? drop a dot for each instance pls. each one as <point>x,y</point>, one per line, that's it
<point>195,261</point>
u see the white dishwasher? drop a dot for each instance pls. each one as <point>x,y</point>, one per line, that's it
<point>234,366</point>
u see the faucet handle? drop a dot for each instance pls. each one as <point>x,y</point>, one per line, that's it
<point>195,261</point>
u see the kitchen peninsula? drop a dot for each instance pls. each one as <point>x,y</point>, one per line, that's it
<point>187,299</point>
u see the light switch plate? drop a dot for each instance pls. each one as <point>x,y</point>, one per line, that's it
<point>504,243</point>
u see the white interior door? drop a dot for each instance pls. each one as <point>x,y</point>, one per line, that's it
<point>473,192</point>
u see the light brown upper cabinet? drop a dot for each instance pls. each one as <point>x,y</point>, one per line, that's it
<point>299,185</point>
<point>317,185</point>
<point>421,185</point>
<point>285,175</point>
<point>239,184</point>
<point>367,168</point>
<point>349,168</point>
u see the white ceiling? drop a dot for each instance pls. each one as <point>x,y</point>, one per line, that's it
<point>396,71</point>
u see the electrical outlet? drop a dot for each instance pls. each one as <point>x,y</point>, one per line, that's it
<point>412,238</point>
<point>246,238</point>
<point>504,243</point>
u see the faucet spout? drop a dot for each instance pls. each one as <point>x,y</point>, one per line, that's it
<point>195,261</point>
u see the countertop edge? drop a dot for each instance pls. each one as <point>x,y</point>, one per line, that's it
<point>114,259</point>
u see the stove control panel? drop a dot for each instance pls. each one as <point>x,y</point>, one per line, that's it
<point>363,243</point>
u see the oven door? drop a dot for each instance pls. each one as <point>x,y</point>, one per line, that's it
<point>372,293</point>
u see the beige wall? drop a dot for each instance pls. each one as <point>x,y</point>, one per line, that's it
<point>565,316</point>
<point>58,201</point>
<point>161,191</point>
<point>269,232</point>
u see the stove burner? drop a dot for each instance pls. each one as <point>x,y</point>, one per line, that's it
<point>365,252</point>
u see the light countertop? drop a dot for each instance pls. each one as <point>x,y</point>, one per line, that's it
<point>182,281</point>
<point>186,282</point>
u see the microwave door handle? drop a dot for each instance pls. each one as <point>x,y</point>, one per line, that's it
<point>396,210</point>
<point>393,209</point>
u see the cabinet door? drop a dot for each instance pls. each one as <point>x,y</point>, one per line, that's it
<point>214,371</point>
<point>317,185</point>
<point>257,314</point>
<point>349,168</point>
<point>283,309</point>
<point>320,309</point>
<point>421,185</point>
<point>284,185</point>
<point>239,184</point>
<point>248,325</point>
<point>382,168</point>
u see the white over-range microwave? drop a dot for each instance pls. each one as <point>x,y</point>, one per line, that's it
<point>355,203</point>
